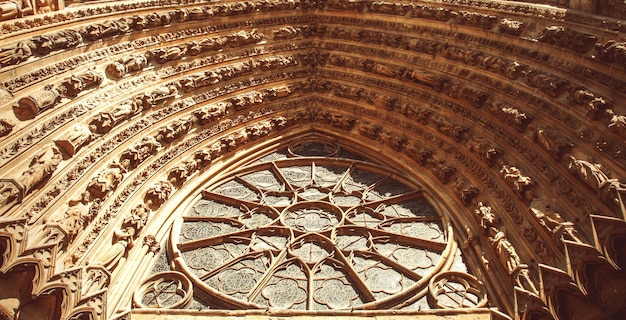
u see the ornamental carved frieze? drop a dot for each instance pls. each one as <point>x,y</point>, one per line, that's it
<point>132,110</point>
<point>124,238</point>
<point>107,147</point>
<point>446,172</point>
<point>31,106</point>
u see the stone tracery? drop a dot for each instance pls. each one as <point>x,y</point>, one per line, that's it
<point>456,105</point>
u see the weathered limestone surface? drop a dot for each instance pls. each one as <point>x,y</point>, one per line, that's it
<point>114,115</point>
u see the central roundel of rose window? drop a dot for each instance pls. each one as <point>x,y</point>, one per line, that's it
<point>311,233</point>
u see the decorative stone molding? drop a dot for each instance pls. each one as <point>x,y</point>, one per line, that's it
<point>458,88</point>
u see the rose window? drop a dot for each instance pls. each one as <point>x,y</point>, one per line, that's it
<point>306,232</point>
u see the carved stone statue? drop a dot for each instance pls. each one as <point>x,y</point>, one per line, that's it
<point>443,170</point>
<point>370,130</point>
<point>465,191</point>
<point>58,40</point>
<point>76,216</point>
<point>475,97</point>
<point>105,121</point>
<point>202,157</point>
<point>553,142</point>
<point>137,218</point>
<point>163,55</point>
<point>595,105</point>
<point>159,193</point>
<point>484,150</point>
<point>44,6</point>
<point>568,38</point>
<point>549,84</point>
<point>123,66</point>
<point>207,44</point>
<point>108,28</point>
<point>14,9</point>
<point>487,219</point>
<point>516,179</point>
<point>249,99</point>
<point>181,172</point>
<point>280,123</point>
<point>123,241</point>
<point>512,116</point>
<point>210,112</point>
<point>512,27</point>
<point>553,221</point>
<point>16,55</point>
<point>106,180</point>
<point>425,78</point>
<point>259,129</point>
<point>416,112</point>
<point>174,130</point>
<point>32,105</point>
<point>41,166</point>
<point>283,33</point>
<point>590,173</point>
<point>139,152</point>
<point>506,251</point>
<point>243,38</point>
<point>76,138</point>
<point>450,128</point>
<point>234,139</point>
<point>77,83</point>
<point>152,243</point>
<point>617,123</point>
<point>158,95</point>
<point>419,154</point>
<point>6,126</point>
<point>612,51</point>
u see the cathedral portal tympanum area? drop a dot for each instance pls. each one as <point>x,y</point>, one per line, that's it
<point>196,159</point>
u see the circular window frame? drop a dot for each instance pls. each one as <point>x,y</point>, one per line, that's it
<point>407,296</point>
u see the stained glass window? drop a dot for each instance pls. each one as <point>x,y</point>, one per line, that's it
<point>312,228</point>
